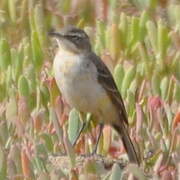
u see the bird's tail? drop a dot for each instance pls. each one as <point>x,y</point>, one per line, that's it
<point>123,132</point>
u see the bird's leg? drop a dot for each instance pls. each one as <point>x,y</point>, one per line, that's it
<point>101,126</point>
<point>80,131</point>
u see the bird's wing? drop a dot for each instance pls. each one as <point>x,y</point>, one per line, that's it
<point>105,78</point>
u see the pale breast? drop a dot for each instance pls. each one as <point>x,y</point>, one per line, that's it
<point>77,80</point>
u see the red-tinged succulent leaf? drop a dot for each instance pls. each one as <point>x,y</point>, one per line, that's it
<point>154,103</point>
<point>63,118</point>
<point>101,9</point>
<point>25,163</point>
<point>29,148</point>
<point>113,150</point>
<point>162,168</point>
<point>176,120</point>
<point>166,175</point>
<point>73,175</point>
<point>59,108</point>
<point>20,130</point>
<point>167,172</point>
<point>38,119</point>
<point>53,89</point>
<point>116,150</point>
<point>50,128</point>
<point>80,145</point>
<point>23,110</point>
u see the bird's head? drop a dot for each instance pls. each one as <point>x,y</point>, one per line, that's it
<point>72,39</point>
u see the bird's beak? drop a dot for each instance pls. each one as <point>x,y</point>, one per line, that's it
<point>59,37</point>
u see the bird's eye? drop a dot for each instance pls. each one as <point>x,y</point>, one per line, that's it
<point>73,37</point>
<point>76,38</point>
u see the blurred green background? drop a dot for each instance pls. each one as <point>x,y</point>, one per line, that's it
<point>139,40</point>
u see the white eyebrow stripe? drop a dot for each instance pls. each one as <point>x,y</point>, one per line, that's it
<point>77,34</point>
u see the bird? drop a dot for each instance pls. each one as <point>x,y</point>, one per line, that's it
<point>87,84</point>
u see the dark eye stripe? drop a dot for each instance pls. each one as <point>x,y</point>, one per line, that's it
<point>74,37</point>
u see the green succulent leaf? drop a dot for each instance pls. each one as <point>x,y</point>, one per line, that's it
<point>36,51</point>
<point>23,86</point>
<point>73,125</point>
<point>5,54</point>
<point>118,76</point>
<point>128,77</point>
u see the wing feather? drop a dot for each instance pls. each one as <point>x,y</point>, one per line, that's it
<point>105,78</point>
